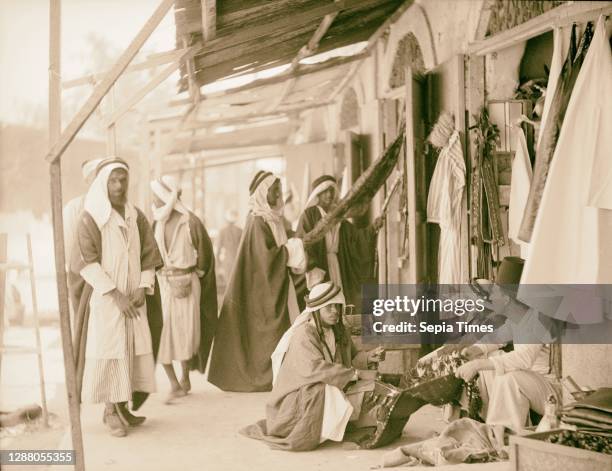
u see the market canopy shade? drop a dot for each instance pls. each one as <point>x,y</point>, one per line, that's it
<point>246,36</point>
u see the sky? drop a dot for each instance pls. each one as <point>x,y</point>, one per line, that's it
<point>24,43</point>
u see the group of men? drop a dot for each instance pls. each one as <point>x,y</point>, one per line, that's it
<point>144,293</point>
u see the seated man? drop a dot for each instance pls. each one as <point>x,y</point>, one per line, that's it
<point>312,366</point>
<point>512,383</point>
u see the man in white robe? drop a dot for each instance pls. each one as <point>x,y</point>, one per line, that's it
<point>117,259</point>
<point>188,276</point>
<point>512,383</point>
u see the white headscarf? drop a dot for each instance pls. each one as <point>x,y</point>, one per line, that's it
<point>283,345</point>
<point>97,203</point>
<point>89,167</point>
<point>258,205</point>
<point>312,198</point>
<point>167,189</point>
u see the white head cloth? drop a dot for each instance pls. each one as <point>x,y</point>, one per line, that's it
<point>317,291</point>
<point>89,167</point>
<point>320,188</point>
<point>97,203</point>
<point>167,189</point>
<point>258,205</point>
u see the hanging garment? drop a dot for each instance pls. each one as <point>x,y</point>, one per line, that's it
<point>519,190</point>
<point>560,49</point>
<point>487,231</point>
<point>572,237</point>
<point>552,127</point>
<point>444,208</point>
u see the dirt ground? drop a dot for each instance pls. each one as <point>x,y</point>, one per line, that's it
<point>198,432</point>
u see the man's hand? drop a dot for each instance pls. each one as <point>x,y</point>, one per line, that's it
<point>376,355</point>
<point>138,297</point>
<point>124,304</point>
<point>472,352</point>
<point>378,222</point>
<point>468,370</point>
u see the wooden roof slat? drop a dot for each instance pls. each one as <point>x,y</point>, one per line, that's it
<point>257,34</point>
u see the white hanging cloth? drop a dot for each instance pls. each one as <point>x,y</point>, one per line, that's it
<point>519,191</point>
<point>444,208</point>
<point>572,237</point>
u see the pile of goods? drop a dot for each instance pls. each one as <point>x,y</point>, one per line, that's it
<point>585,441</point>
<point>435,382</point>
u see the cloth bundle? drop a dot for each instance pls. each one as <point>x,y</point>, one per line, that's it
<point>463,441</point>
<point>592,414</point>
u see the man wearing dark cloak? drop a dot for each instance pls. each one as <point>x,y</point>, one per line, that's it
<point>260,300</point>
<point>346,255</point>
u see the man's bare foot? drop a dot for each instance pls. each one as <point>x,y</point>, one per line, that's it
<point>186,385</point>
<point>175,393</point>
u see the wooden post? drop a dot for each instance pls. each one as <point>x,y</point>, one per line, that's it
<point>55,93</point>
<point>41,374</point>
<point>3,248</point>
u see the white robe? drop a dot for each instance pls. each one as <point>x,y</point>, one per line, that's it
<point>119,354</point>
<point>572,237</point>
<point>180,338</point>
<point>444,208</point>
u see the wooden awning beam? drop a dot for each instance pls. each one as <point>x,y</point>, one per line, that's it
<point>209,19</point>
<point>171,122</point>
<point>562,15</point>
<point>102,88</point>
<point>153,60</point>
<point>304,69</point>
<point>150,86</point>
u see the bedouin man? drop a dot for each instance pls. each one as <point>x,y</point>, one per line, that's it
<point>512,383</point>
<point>260,299</point>
<point>117,256</point>
<point>187,285</point>
<point>313,364</point>
<point>345,255</point>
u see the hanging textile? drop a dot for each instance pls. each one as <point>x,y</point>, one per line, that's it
<point>572,237</point>
<point>486,226</point>
<point>551,129</point>
<point>519,190</point>
<point>560,49</point>
<point>444,208</point>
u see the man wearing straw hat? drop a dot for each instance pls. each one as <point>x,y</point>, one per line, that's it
<point>312,365</point>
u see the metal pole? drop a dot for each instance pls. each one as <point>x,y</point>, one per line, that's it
<point>55,124</point>
<point>41,374</point>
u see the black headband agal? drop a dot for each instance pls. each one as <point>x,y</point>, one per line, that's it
<point>328,294</point>
<point>323,179</point>
<point>107,162</point>
<point>257,179</point>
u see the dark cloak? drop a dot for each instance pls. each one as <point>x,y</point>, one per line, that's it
<point>356,251</point>
<point>88,249</point>
<point>254,314</point>
<point>208,291</point>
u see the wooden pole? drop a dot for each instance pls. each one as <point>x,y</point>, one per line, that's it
<point>3,251</point>
<point>41,373</point>
<point>55,113</point>
<point>102,87</point>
